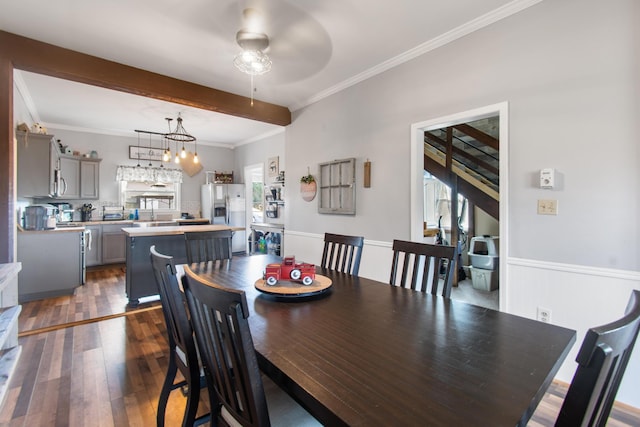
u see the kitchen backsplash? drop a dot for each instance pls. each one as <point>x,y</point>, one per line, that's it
<point>191,207</point>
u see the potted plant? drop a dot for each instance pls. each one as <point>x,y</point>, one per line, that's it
<point>308,187</point>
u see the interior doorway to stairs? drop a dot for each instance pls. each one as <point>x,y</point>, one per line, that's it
<point>254,196</point>
<point>418,132</point>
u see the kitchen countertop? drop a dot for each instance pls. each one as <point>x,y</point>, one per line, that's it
<point>80,225</point>
<point>54,230</point>
<point>190,220</point>
<point>174,229</point>
<point>97,222</point>
<point>267,225</point>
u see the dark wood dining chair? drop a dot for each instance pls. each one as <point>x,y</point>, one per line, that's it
<point>203,246</point>
<point>183,355</point>
<point>602,360</point>
<point>342,253</point>
<point>421,261</point>
<point>236,389</point>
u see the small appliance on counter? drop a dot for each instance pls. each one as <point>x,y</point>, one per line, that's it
<point>112,213</point>
<point>40,217</point>
<point>65,212</point>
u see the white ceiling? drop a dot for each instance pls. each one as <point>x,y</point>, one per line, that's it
<point>317,48</point>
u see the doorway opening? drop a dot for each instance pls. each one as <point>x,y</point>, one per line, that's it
<point>254,197</point>
<point>480,223</point>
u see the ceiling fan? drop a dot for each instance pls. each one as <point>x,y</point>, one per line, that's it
<point>280,37</point>
<point>252,60</point>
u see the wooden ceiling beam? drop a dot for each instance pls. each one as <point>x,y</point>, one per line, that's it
<point>43,58</point>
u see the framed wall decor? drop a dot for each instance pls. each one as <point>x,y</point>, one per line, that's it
<point>145,153</point>
<point>337,187</point>
<point>273,166</point>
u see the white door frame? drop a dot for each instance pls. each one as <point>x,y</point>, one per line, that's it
<point>248,196</point>
<point>417,173</point>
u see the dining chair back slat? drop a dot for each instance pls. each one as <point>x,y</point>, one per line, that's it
<point>203,246</point>
<point>602,361</point>
<point>183,355</point>
<point>219,316</point>
<point>342,253</point>
<point>420,266</point>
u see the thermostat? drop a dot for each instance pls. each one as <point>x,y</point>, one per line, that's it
<point>547,178</point>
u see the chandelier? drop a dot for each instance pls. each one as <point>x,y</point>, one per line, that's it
<point>179,135</point>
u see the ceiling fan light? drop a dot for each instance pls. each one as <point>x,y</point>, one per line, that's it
<point>253,62</point>
<point>248,56</point>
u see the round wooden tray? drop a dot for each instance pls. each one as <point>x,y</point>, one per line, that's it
<point>288,289</point>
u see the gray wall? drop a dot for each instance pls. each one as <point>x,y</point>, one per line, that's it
<point>259,152</point>
<point>569,70</point>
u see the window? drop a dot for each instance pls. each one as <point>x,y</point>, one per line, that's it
<point>143,195</point>
<point>257,208</point>
<point>149,189</point>
<point>437,204</point>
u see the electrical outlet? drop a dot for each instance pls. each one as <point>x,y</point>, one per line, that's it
<point>544,315</point>
<point>547,207</point>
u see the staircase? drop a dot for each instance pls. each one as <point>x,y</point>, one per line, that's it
<point>466,158</point>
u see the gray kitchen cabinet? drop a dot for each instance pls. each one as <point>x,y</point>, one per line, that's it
<point>93,251</point>
<point>81,177</point>
<point>50,263</point>
<point>108,244</point>
<point>89,179</point>
<point>113,244</point>
<point>37,160</point>
<point>70,173</point>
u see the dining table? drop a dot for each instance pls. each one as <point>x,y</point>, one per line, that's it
<point>365,353</point>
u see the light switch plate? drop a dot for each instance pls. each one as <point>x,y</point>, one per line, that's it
<point>547,207</point>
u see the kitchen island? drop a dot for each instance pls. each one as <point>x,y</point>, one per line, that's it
<point>169,240</point>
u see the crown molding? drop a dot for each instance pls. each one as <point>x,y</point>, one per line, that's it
<point>19,83</point>
<point>446,38</point>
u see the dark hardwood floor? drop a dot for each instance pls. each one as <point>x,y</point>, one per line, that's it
<point>88,360</point>
<point>103,295</point>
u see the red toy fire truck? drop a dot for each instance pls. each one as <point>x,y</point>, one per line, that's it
<point>290,270</point>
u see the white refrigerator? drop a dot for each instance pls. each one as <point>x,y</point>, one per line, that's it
<point>225,204</point>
